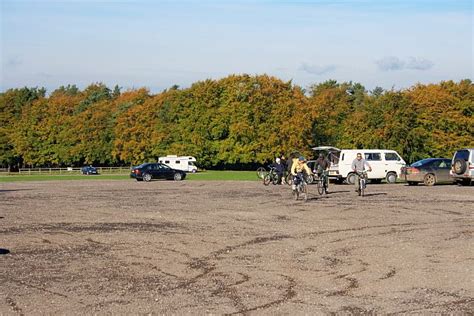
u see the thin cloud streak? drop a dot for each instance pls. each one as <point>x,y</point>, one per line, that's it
<point>316,69</point>
<point>392,63</point>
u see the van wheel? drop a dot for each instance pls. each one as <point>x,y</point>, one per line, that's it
<point>391,177</point>
<point>147,177</point>
<point>429,179</point>
<point>177,176</point>
<point>350,178</point>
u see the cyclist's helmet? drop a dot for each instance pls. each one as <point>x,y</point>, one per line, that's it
<point>301,158</point>
<point>277,160</point>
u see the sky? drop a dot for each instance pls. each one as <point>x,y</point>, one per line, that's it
<point>158,44</point>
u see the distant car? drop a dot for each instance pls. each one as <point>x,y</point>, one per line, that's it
<point>88,170</point>
<point>428,171</point>
<point>463,166</point>
<point>156,170</point>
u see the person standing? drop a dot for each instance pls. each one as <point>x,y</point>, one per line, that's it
<point>279,168</point>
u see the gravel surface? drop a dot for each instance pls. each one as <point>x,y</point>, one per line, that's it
<point>190,247</point>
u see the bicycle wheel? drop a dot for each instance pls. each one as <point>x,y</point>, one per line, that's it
<point>305,192</point>
<point>362,187</point>
<point>275,179</point>
<point>261,172</point>
<point>296,193</point>
<point>267,179</point>
<point>320,185</point>
<point>289,179</point>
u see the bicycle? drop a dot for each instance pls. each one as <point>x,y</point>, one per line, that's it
<point>301,187</point>
<point>362,182</point>
<point>322,182</point>
<point>261,172</point>
<point>271,176</point>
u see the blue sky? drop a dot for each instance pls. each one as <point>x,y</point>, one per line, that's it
<point>157,44</point>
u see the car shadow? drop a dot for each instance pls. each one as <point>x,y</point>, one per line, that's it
<point>375,194</point>
<point>4,251</point>
<point>16,190</point>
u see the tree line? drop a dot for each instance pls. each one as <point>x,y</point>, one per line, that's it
<point>235,122</point>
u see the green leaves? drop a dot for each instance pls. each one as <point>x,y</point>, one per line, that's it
<point>236,121</point>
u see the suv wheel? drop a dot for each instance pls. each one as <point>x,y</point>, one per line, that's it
<point>147,177</point>
<point>460,166</point>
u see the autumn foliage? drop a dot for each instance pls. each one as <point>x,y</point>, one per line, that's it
<point>235,122</point>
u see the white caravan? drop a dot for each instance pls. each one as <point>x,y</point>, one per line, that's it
<point>386,164</point>
<point>184,163</point>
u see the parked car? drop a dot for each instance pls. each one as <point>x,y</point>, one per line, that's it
<point>463,166</point>
<point>88,170</point>
<point>156,170</point>
<point>428,171</point>
<point>385,164</point>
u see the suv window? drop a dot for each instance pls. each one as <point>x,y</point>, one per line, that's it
<point>373,156</point>
<point>462,154</point>
<point>392,157</point>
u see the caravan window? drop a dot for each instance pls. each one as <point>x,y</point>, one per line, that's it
<point>167,161</point>
<point>177,161</point>
<point>373,156</point>
<point>392,157</point>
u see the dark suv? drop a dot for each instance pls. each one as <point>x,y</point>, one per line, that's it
<point>156,170</point>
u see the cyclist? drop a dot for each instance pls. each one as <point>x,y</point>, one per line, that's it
<point>298,167</point>
<point>358,165</point>
<point>279,168</point>
<point>322,164</point>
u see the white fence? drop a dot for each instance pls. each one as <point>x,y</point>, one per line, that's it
<point>64,171</point>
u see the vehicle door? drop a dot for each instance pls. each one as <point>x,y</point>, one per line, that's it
<point>378,166</point>
<point>442,170</point>
<point>393,162</point>
<point>165,172</point>
<point>153,170</point>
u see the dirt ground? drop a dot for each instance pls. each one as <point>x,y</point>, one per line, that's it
<point>190,247</point>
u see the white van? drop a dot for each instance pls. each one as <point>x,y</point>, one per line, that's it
<point>184,163</point>
<point>386,164</point>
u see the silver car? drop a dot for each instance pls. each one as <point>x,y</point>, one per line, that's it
<point>428,171</point>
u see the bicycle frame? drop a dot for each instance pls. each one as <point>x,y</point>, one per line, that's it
<point>362,182</point>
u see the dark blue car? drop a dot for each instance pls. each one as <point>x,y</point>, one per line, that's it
<point>88,170</point>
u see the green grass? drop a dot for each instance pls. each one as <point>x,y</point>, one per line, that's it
<point>211,175</point>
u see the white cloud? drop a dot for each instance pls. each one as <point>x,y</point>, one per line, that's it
<point>392,63</point>
<point>317,69</point>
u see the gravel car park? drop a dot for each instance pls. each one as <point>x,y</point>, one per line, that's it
<point>233,247</point>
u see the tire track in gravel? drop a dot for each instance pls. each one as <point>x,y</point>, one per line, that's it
<point>288,295</point>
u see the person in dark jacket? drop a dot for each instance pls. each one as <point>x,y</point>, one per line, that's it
<point>279,168</point>
<point>322,164</point>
